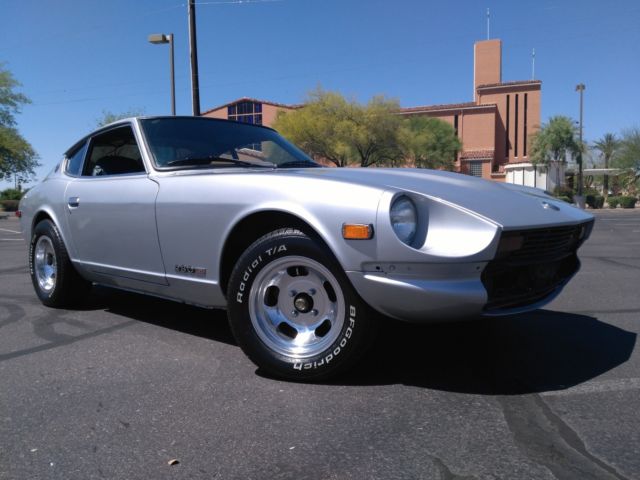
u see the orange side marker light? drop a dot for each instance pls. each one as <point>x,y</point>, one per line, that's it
<point>357,231</point>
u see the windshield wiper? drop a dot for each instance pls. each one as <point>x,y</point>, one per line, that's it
<point>298,164</point>
<point>209,160</point>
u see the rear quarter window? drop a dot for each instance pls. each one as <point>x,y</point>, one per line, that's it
<point>74,160</point>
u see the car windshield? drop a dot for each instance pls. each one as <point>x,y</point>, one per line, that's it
<point>195,142</point>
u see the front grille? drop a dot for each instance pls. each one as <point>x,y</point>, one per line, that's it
<point>545,260</point>
<point>544,244</point>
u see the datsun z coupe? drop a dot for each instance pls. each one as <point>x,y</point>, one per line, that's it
<point>230,215</point>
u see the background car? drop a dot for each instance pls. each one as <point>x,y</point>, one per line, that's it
<point>228,215</point>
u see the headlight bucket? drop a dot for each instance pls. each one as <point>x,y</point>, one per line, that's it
<point>404,218</point>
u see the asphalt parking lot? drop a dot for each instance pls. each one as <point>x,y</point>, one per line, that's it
<point>122,387</point>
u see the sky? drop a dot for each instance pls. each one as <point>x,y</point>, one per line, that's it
<point>77,59</point>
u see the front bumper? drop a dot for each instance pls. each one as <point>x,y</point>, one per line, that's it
<point>516,281</point>
<point>420,300</point>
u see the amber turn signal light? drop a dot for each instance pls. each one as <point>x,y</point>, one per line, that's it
<point>357,231</point>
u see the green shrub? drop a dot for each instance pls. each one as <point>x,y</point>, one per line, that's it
<point>595,201</point>
<point>563,192</point>
<point>9,205</point>
<point>627,202</point>
<point>11,194</point>
<point>613,202</point>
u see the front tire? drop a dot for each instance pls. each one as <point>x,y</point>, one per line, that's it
<point>54,278</point>
<point>293,311</point>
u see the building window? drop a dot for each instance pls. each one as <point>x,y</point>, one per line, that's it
<point>524,133</point>
<point>475,169</point>
<point>245,112</point>
<point>515,135</point>
<point>455,124</point>
<point>506,139</point>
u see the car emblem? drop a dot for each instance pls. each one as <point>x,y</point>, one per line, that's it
<point>549,206</point>
<point>189,270</point>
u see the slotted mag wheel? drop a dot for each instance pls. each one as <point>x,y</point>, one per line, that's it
<point>45,263</point>
<point>297,307</point>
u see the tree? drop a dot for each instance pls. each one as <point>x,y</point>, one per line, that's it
<point>607,146</point>
<point>17,157</point>
<point>628,157</point>
<point>429,143</point>
<point>108,116</point>
<point>375,132</point>
<point>554,141</point>
<point>343,131</point>
<point>10,101</point>
<point>319,127</point>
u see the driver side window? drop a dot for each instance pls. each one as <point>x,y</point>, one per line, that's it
<point>114,152</point>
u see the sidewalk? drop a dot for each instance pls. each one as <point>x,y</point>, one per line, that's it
<point>615,211</point>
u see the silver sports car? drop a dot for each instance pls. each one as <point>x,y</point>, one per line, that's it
<point>229,215</point>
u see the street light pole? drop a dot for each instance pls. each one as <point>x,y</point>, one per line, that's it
<point>193,48</point>
<point>158,39</point>
<point>173,76</point>
<point>580,88</point>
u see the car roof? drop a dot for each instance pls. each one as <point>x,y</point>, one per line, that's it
<point>128,120</point>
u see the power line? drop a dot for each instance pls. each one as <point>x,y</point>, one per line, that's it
<point>238,2</point>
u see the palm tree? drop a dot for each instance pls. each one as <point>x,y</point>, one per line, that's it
<point>608,146</point>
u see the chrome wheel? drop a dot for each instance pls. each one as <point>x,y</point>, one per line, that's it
<point>297,307</point>
<point>45,264</point>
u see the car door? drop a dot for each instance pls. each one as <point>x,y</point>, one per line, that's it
<point>111,212</point>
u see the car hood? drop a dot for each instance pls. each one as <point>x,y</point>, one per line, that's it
<point>508,205</point>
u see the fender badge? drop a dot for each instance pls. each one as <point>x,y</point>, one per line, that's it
<point>549,206</point>
<point>189,270</point>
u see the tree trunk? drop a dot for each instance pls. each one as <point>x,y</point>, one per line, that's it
<point>605,180</point>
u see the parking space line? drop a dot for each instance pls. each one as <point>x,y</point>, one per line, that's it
<point>617,385</point>
<point>11,239</point>
<point>7,230</point>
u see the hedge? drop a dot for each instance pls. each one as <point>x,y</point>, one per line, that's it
<point>564,191</point>
<point>595,201</point>
<point>613,202</point>
<point>9,205</point>
<point>627,202</point>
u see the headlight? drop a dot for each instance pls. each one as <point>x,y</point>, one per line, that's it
<point>403,217</point>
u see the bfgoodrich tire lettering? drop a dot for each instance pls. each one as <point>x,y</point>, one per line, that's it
<point>54,279</point>
<point>293,311</point>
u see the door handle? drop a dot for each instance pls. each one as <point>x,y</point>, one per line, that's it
<point>74,202</point>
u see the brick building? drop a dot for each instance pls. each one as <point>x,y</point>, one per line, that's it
<point>494,128</point>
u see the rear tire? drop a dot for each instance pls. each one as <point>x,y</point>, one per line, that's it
<point>54,278</point>
<point>293,311</point>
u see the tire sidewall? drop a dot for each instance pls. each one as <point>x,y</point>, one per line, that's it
<point>264,251</point>
<point>47,229</point>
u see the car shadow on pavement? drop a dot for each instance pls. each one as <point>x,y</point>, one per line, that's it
<point>530,353</point>
<point>535,352</point>
<point>201,322</point>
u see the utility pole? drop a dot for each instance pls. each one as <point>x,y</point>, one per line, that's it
<point>580,88</point>
<point>193,50</point>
